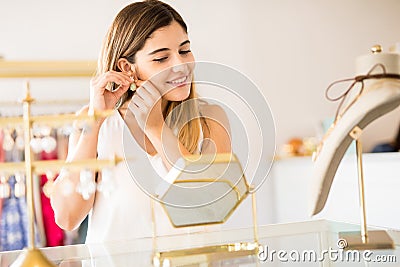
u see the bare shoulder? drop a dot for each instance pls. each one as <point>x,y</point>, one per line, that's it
<point>216,128</point>
<point>214,115</point>
<point>212,111</point>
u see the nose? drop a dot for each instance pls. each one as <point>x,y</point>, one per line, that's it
<point>180,67</point>
<point>178,64</point>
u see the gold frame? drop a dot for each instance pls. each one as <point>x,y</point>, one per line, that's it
<point>199,255</point>
<point>218,158</point>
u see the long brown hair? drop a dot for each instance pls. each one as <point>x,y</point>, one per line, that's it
<point>128,33</point>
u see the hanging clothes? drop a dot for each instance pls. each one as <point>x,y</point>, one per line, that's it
<point>14,221</point>
<point>14,216</point>
<point>1,160</point>
<point>54,234</point>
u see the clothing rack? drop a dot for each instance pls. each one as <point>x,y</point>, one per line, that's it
<point>32,70</point>
<point>47,69</point>
<point>44,69</point>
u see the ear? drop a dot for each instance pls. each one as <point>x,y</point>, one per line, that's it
<point>124,65</point>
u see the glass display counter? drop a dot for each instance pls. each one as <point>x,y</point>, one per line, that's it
<point>310,243</point>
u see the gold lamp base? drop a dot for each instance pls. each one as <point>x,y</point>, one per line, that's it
<point>378,239</point>
<point>30,258</point>
<point>200,255</point>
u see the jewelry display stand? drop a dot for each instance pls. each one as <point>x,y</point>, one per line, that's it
<point>32,256</point>
<point>380,74</point>
<point>211,187</point>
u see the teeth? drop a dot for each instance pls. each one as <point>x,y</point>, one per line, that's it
<point>179,81</point>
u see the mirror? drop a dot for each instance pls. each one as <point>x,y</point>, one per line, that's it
<point>204,190</point>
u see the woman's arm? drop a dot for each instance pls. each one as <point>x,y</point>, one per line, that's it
<point>69,207</point>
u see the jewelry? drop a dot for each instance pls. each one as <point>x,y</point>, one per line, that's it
<point>48,186</point>
<point>36,145</point>
<point>19,140</point>
<point>36,141</point>
<point>133,86</point>
<point>106,186</point>
<point>5,190</point>
<point>86,185</point>
<point>19,187</point>
<point>8,141</point>
<point>48,142</point>
<point>65,181</point>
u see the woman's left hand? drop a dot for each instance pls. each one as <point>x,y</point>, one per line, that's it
<point>146,106</point>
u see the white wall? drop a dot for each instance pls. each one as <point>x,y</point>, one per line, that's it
<point>291,181</point>
<point>291,49</point>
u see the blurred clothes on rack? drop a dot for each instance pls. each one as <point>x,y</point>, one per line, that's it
<point>13,209</point>
<point>14,220</point>
<point>54,234</point>
<point>13,224</point>
<point>1,160</point>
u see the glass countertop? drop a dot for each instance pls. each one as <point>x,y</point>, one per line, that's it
<point>309,243</point>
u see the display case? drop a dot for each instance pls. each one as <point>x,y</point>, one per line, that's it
<point>309,243</point>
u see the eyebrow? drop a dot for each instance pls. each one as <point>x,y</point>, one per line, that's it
<point>167,49</point>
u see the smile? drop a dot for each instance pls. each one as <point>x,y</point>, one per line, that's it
<point>179,81</point>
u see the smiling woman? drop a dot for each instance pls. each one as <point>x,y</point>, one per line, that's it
<point>145,72</point>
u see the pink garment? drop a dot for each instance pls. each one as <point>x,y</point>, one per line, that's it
<point>54,234</point>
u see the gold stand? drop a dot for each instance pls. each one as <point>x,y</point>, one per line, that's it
<point>207,254</point>
<point>364,239</point>
<point>225,171</point>
<point>31,256</point>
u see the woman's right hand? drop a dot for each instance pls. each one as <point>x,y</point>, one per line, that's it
<point>100,97</point>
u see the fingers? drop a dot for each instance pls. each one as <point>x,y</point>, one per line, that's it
<point>102,97</point>
<point>118,78</point>
<point>148,98</point>
<point>149,87</point>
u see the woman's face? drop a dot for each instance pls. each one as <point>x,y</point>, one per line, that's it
<point>166,59</point>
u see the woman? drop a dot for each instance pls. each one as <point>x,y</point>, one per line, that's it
<point>145,71</point>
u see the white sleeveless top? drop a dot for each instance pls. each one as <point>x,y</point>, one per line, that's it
<point>125,213</point>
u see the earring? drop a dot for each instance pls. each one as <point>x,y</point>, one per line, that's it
<point>19,140</point>
<point>19,187</point>
<point>133,87</point>
<point>8,141</point>
<point>5,190</point>
<point>86,185</point>
<point>48,186</point>
<point>36,141</point>
<point>48,142</point>
<point>106,185</point>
